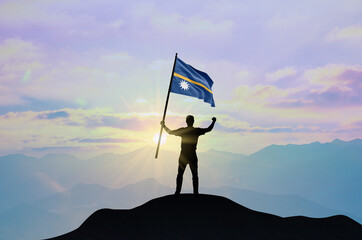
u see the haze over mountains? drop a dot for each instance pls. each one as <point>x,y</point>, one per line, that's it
<point>313,179</point>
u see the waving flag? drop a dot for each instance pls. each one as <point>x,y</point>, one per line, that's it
<point>186,80</point>
<point>192,82</point>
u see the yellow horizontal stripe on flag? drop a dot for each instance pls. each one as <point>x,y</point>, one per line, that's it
<point>191,81</point>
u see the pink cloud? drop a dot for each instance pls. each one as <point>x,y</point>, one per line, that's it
<point>331,86</point>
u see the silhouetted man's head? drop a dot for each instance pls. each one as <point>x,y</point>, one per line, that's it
<point>190,120</point>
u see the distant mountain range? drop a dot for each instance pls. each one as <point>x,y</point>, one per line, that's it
<point>207,217</point>
<point>328,175</point>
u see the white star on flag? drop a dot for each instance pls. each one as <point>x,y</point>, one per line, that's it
<point>184,85</point>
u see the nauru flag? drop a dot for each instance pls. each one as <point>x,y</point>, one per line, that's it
<point>189,81</point>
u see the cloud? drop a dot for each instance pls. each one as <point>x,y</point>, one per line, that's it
<point>106,118</point>
<point>335,85</point>
<point>281,74</point>
<point>75,130</point>
<point>117,56</point>
<point>18,14</point>
<point>286,34</point>
<point>334,96</point>
<point>350,33</point>
<point>8,99</point>
<point>57,20</point>
<point>105,140</point>
<point>260,129</point>
<point>84,151</point>
<point>227,121</point>
<point>116,24</point>
<point>243,74</point>
<point>26,132</point>
<point>353,126</point>
<point>103,54</point>
<point>334,75</point>
<point>113,121</point>
<point>258,94</point>
<point>105,80</point>
<point>185,26</point>
<point>53,115</point>
<point>19,61</point>
<point>16,49</point>
<point>229,124</point>
<point>331,86</point>
<point>71,149</point>
<point>292,103</point>
<point>286,21</point>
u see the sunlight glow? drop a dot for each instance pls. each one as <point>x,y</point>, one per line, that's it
<point>163,138</point>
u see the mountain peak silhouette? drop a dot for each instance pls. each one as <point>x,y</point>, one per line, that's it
<point>207,217</point>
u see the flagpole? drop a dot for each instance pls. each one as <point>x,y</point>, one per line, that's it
<point>164,112</point>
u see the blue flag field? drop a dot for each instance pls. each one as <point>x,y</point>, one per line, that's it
<point>192,82</point>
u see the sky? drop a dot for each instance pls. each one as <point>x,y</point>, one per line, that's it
<point>87,77</point>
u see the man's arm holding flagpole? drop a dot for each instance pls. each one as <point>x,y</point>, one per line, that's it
<point>169,131</point>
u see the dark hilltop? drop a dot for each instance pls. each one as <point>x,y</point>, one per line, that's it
<point>207,217</point>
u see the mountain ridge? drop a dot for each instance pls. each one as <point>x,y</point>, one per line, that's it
<point>206,217</point>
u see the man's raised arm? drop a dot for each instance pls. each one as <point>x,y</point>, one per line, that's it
<point>211,125</point>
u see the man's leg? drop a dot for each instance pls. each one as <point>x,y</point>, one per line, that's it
<point>181,169</point>
<point>195,177</point>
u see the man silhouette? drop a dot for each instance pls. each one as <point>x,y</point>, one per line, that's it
<point>188,155</point>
